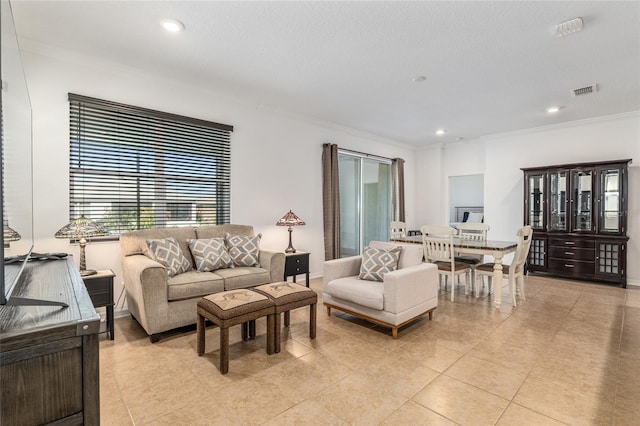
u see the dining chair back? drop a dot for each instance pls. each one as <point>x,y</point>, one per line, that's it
<point>437,241</point>
<point>397,229</point>
<point>514,271</point>
<point>472,231</point>
<point>522,251</point>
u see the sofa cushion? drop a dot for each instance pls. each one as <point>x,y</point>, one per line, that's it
<point>362,292</point>
<point>244,276</point>
<point>168,253</point>
<point>378,261</point>
<point>410,255</point>
<point>193,284</point>
<point>244,251</point>
<point>210,254</point>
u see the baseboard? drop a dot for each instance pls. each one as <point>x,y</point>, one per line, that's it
<point>633,283</point>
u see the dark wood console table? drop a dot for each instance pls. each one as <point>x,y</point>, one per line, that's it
<point>296,264</point>
<point>49,368</point>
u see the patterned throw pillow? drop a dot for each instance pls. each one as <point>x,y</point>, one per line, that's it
<point>244,251</point>
<point>167,252</point>
<point>210,254</point>
<point>376,262</point>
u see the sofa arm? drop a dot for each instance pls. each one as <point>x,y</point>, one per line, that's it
<point>408,287</point>
<point>146,283</point>
<point>340,268</point>
<point>274,262</point>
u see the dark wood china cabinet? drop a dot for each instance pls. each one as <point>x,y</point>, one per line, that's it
<point>578,213</point>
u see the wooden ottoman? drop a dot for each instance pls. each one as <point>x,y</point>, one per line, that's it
<point>287,296</point>
<point>230,308</point>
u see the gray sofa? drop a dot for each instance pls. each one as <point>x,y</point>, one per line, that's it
<point>160,303</point>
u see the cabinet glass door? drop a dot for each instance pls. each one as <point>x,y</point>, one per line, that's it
<point>535,209</point>
<point>558,201</point>
<point>582,201</point>
<point>610,198</point>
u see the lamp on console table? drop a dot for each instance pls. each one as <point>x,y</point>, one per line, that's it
<point>290,219</point>
<point>80,229</point>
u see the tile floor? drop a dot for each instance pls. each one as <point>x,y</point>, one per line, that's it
<point>568,355</point>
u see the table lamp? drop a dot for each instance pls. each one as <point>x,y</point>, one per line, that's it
<point>290,219</point>
<point>9,234</point>
<point>80,229</point>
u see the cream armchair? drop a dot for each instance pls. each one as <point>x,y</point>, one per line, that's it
<point>403,296</point>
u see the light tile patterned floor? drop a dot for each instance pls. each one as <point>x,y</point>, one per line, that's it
<point>569,354</point>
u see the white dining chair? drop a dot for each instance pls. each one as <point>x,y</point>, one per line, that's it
<point>437,241</point>
<point>472,231</point>
<point>397,229</point>
<point>515,271</point>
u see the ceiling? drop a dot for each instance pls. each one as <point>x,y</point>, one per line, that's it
<point>490,67</point>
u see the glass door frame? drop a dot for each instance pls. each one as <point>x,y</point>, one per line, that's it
<point>566,203</point>
<point>573,215</point>
<point>600,197</point>
<point>361,196</point>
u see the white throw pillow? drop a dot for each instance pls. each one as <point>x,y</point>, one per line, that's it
<point>475,217</point>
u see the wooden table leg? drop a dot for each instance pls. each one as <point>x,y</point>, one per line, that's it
<point>497,280</point>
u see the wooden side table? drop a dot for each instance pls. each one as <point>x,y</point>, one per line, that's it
<point>296,264</point>
<point>100,288</point>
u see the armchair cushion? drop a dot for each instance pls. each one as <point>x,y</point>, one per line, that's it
<point>168,253</point>
<point>378,261</point>
<point>244,250</point>
<point>362,292</point>
<point>210,254</point>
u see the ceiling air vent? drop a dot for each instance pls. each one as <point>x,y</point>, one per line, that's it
<point>585,90</point>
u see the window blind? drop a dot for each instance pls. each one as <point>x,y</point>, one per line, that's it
<point>135,168</point>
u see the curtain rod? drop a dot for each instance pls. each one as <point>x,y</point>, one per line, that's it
<point>364,154</point>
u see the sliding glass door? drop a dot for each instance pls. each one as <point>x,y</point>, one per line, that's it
<point>365,201</point>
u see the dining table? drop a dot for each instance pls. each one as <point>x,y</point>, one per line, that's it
<point>497,249</point>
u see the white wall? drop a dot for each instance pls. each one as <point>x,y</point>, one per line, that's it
<point>606,138</point>
<point>276,158</point>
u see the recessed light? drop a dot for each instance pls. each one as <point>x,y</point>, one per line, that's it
<point>440,132</point>
<point>553,109</point>
<point>419,79</point>
<point>172,25</point>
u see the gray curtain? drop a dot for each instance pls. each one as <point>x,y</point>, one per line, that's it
<point>331,201</point>
<point>397,180</point>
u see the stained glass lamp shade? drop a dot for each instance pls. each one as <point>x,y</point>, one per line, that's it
<point>290,219</point>
<point>80,229</point>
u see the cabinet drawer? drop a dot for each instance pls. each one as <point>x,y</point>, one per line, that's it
<point>571,253</point>
<point>569,267</point>
<point>297,265</point>
<point>577,243</point>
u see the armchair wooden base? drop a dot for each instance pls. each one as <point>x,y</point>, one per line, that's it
<point>394,327</point>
